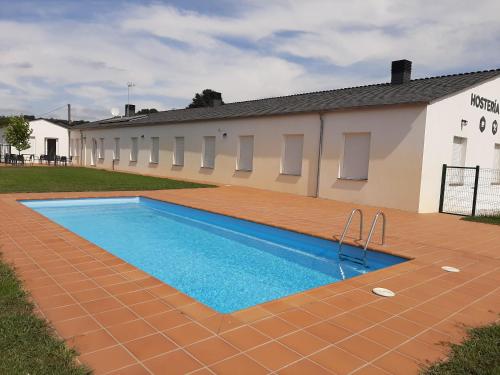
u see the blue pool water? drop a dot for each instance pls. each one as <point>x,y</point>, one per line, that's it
<point>226,263</point>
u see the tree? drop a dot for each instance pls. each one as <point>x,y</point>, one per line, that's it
<point>146,111</point>
<point>18,133</point>
<point>208,98</point>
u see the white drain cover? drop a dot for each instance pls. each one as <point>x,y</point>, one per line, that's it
<point>383,292</point>
<point>450,269</point>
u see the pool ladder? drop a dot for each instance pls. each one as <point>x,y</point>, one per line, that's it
<point>361,260</point>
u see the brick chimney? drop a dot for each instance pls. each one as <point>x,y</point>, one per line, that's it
<point>129,110</point>
<point>400,72</point>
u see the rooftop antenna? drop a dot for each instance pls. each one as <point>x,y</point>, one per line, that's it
<point>129,85</point>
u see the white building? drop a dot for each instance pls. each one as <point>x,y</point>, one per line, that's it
<point>381,145</point>
<point>47,138</point>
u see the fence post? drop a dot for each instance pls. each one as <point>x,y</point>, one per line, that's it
<point>443,184</point>
<point>476,185</point>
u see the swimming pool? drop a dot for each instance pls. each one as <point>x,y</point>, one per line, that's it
<point>226,263</point>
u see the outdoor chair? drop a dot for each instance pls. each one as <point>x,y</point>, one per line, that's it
<point>63,160</point>
<point>20,159</point>
<point>29,159</point>
<point>42,158</point>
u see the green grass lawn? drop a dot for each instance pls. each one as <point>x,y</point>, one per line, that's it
<point>58,179</point>
<point>484,219</point>
<point>27,343</point>
<point>478,355</point>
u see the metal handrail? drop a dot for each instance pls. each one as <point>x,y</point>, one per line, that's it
<point>370,234</point>
<point>372,229</point>
<point>346,228</point>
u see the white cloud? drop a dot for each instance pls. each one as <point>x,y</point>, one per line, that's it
<point>170,53</point>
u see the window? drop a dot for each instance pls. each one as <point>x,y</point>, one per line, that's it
<point>155,150</point>
<point>101,148</point>
<point>93,155</point>
<point>134,150</point>
<point>291,157</point>
<point>179,151</point>
<point>84,150</point>
<point>116,153</point>
<point>77,145</point>
<point>208,159</point>
<point>496,164</point>
<point>459,151</point>
<point>458,160</point>
<point>356,157</point>
<point>32,149</point>
<point>245,153</point>
<point>496,158</point>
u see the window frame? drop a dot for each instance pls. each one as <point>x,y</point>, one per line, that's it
<point>154,154</point>
<point>342,175</point>
<point>496,164</point>
<point>204,150</point>
<point>116,151</point>
<point>175,161</point>
<point>283,164</point>
<point>238,157</point>
<point>463,156</point>
<point>101,149</point>
<point>134,149</point>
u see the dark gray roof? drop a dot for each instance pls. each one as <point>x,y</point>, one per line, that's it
<point>422,90</point>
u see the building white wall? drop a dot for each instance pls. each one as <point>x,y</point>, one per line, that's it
<point>268,135</point>
<point>408,145</point>
<point>396,144</point>
<point>444,119</point>
<point>42,130</point>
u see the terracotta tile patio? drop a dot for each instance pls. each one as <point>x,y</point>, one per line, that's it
<point>124,321</point>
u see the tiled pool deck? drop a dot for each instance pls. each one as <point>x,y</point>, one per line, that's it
<point>123,321</point>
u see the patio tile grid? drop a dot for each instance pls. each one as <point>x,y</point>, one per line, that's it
<point>124,321</point>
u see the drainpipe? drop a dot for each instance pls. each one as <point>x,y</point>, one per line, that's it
<point>320,152</point>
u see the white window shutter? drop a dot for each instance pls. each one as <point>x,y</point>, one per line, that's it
<point>496,160</point>
<point>117,149</point>
<point>155,150</point>
<point>179,151</point>
<point>292,154</point>
<point>208,152</point>
<point>245,153</point>
<point>459,151</point>
<point>101,148</point>
<point>356,158</point>
<point>134,149</point>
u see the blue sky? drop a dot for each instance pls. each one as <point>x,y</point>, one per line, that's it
<point>85,52</point>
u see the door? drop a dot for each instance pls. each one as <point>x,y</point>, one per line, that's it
<point>51,149</point>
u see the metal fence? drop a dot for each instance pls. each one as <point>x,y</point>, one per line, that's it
<point>470,191</point>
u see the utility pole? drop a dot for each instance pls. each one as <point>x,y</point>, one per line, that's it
<point>69,114</point>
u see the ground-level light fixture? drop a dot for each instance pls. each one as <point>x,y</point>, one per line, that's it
<point>450,269</point>
<point>383,292</point>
